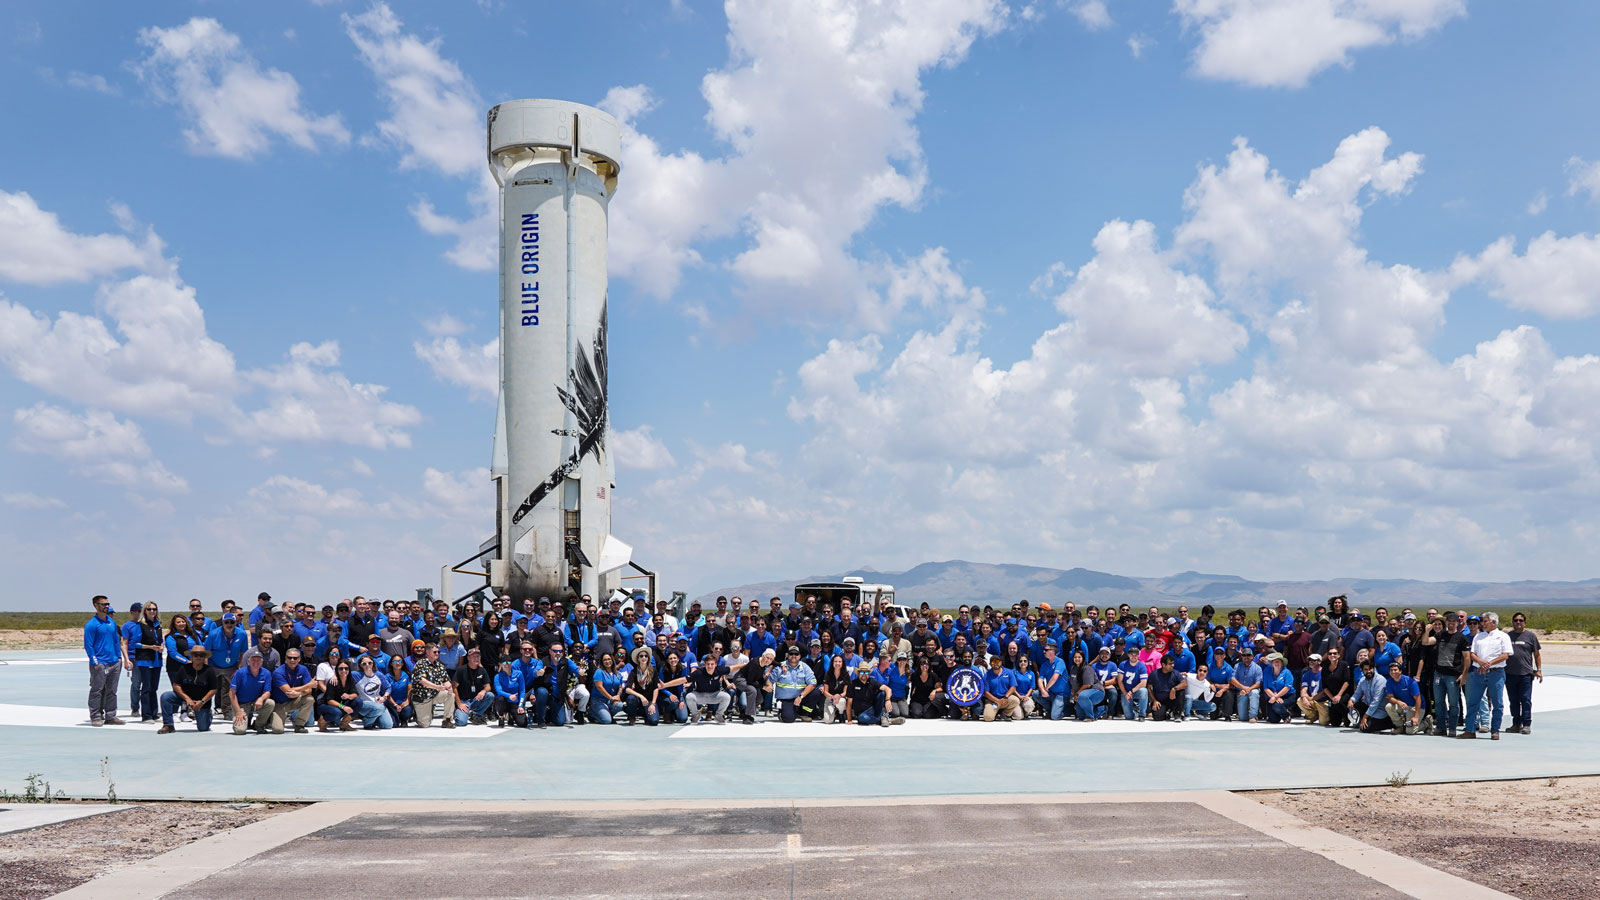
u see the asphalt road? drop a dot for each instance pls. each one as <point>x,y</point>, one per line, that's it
<point>1107,851</point>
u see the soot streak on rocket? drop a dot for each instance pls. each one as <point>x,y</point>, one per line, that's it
<point>587,403</point>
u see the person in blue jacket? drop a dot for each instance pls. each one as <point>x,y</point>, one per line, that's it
<point>510,695</point>
<point>227,645</point>
<point>397,684</point>
<point>102,643</point>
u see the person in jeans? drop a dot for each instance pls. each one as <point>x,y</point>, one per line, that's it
<point>227,644</point>
<point>1526,664</point>
<point>146,646</point>
<point>1491,649</point>
<point>1368,699</point>
<point>374,695</point>
<point>509,694</point>
<point>1198,694</point>
<point>1247,677</point>
<point>865,698</point>
<point>193,688</point>
<point>1136,688</point>
<point>102,643</point>
<point>1448,645</point>
<point>1310,686</point>
<point>707,688</point>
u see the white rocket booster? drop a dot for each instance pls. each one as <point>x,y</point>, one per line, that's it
<point>556,164</point>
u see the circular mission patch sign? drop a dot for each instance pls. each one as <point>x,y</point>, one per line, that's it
<point>964,687</point>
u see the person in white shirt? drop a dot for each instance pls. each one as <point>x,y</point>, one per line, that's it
<point>1490,650</point>
<point>1199,695</point>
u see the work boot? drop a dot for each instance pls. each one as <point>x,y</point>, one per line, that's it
<point>344,725</point>
<point>115,721</point>
<point>300,729</point>
<point>165,729</point>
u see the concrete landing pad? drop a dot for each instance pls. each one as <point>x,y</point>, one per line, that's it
<point>1114,849</point>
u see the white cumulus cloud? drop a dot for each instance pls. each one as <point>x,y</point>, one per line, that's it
<point>639,448</point>
<point>234,107</point>
<point>1283,43</point>
<point>97,445</point>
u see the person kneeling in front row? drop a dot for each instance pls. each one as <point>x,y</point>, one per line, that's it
<point>250,692</point>
<point>193,689</point>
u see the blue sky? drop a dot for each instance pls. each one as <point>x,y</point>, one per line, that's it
<point>1286,289</point>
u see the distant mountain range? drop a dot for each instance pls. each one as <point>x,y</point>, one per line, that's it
<point>948,584</point>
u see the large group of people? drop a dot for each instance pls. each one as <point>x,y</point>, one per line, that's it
<point>369,664</point>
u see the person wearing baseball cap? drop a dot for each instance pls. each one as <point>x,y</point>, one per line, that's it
<point>865,699</point>
<point>263,609</point>
<point>251,693</point>
<point>1310,685</point>
<point>793,685</point>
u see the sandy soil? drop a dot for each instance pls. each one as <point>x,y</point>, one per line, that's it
<point>1541,835</point>
<point>46,861</point>
<point>42,639</point>
<point>1570,654</point>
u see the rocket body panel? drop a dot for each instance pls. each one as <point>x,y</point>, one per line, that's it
<point>556,486</point>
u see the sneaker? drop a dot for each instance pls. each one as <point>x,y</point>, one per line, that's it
<point>884,722</point>
<point>299,729</point>
<point>721,720</point>
<point>1483,729</point>
<point>1495,736</point>
<point>1451,733</point>
<point>98,723</point>
<point>165,729</point>
<point>898,720</point>
<point>450,722</point>
<point>1526,729</point>
<point>807,719</point>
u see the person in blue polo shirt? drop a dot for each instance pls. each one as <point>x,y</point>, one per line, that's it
<point>292,691</point>
<point>1277,690</point>
<point>1220,674</point>
<point>251,692</point>
<point>1054,682</point>
<point>1000,692</point>
<point>1402,700</point>
<point>1246,683</point>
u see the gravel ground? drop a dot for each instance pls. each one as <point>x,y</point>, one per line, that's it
<point>48,860</point>
<point>1532,839</point>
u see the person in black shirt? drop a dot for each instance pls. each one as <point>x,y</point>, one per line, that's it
<point>474,688</point>
<point>927,691</point>
<point>193,688</point>
<point>835,688</point>
<point>865,698</point>
<point>491,643</point>
<point>1333,700</point>
<point>1446,642</point>
<point>708,687</point>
